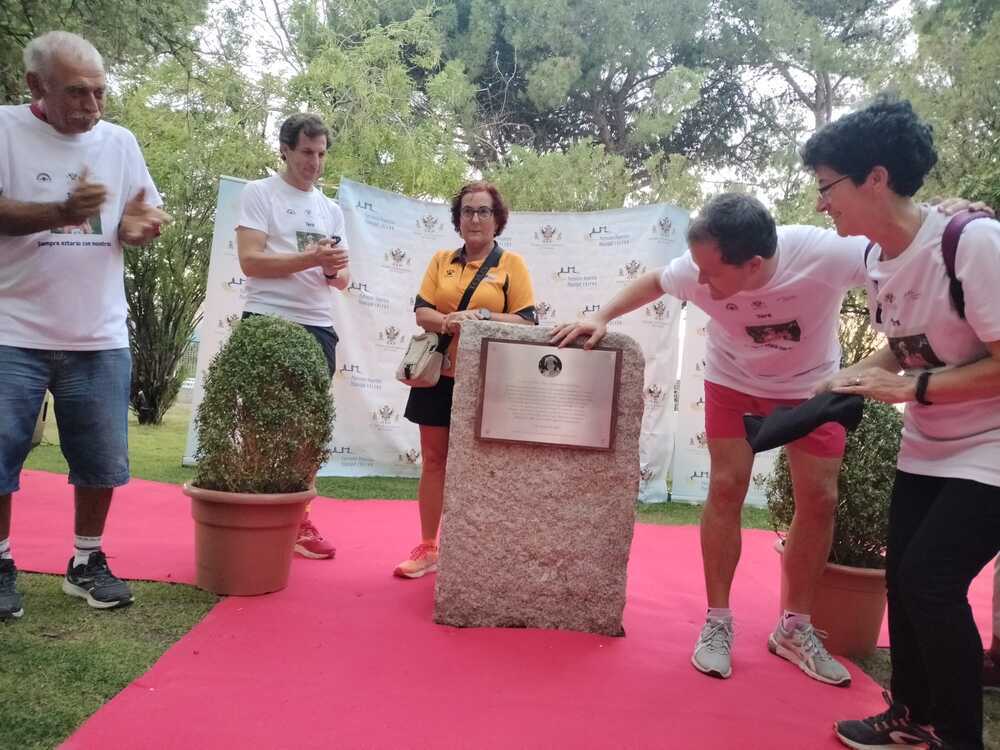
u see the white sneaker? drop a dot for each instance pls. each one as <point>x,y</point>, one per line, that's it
<point>711,652</point>
<point>804,648</point>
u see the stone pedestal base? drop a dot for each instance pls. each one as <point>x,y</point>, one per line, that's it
<point>537,536</point>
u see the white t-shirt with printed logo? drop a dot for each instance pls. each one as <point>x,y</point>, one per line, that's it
<point>64,289</point>
<point>778,341</point>
<point>291,219</point>
<point>910,304</point>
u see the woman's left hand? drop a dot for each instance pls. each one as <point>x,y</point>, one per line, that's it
<point>877,384</point>
<point>453,320</point>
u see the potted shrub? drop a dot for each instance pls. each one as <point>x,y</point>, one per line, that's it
<point>264,427</point>
<point>850,602</point>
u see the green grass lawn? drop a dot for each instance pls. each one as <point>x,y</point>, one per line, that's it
<point>62,660</point>
<point>155,453</point>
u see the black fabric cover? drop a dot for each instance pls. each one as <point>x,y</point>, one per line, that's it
<point>788,423</point>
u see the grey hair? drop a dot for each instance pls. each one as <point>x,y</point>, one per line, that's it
<point>41,51</point>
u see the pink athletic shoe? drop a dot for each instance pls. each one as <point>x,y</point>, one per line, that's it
<point>423,560</point>
<point>311,543</point>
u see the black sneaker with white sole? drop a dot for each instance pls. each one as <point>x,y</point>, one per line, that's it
<point>96,583</point>
<point>10,600</point>
<point>891,728</point>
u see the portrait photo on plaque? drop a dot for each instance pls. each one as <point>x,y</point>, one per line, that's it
<point>537,393</point>
<point>550,365</point>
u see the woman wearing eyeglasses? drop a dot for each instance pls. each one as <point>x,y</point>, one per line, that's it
<point>944,516</point>
<point>504,294</point>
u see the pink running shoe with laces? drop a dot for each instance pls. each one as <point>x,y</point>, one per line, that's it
<point>423,560</point>
<point>310,543</point>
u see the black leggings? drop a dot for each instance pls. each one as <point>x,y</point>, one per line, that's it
<point>942,532</point>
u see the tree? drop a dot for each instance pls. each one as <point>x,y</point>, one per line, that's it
<point>388,130</point>
<point>582,178</point>
<point>124,31</point>
<point>950,81</point>
<point>193,125</point>
<point>812,54</point>
<point>549,75</point>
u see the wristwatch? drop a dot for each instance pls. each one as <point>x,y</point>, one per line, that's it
<point>921,395</point>
<point>483,314</point>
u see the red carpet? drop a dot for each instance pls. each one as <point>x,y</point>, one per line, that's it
<point>347,656</point>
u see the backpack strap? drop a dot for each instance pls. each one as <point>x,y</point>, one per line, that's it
<point>949,249</point>
<point>878,307</point>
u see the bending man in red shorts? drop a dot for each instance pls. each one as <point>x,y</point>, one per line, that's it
<point>773,296</point>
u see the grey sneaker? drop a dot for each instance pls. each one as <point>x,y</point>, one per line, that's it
<point>96,583</point>
<point>804,648</point>
<point>711,652</point>
<point>10,600</point>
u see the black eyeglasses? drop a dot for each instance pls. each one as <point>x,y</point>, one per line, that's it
<point>483,212</point>
<point>824,189</point>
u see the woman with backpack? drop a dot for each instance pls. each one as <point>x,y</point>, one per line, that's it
<point>942,360</point>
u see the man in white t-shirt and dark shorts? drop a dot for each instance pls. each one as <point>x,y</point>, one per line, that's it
<point>73,190</point>
<point>290,244</point>
<point>773,296</point>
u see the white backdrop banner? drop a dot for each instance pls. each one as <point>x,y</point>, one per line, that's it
<point>577,262</point>
<point>689,472</point>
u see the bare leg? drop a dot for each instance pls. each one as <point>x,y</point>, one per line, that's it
<point>729,479</point>
<point>814,484</point>
<point>807,547</point>
<point>430,493</point>
<point>92,505</point>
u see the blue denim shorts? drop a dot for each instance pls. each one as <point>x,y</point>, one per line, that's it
<point>90,392</point>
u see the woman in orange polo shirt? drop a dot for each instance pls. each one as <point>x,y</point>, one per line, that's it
<point>479,215</point>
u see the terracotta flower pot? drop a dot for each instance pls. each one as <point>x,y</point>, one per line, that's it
<point>849,605</point>
<point>243,543</point>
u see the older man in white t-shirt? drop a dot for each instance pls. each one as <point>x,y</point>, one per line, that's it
<point>73,189</point>
<point>773,296</point>
<point>291,248</point>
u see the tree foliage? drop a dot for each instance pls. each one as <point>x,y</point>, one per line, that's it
<point>194,125</point>
<point>388,130</point>
<point>124,32</point>
<point>582,178</point>
<point>549,75</point>
<point>567,105</point>
<point>951,81</point>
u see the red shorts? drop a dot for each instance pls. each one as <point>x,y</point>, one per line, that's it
<point>725,407</point>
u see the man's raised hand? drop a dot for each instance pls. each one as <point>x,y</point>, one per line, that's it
<point>84,201</point>
<point>141,222</point>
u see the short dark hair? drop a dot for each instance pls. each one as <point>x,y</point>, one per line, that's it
<point>739,224</point>
<point>886,133</point>
<point>500,211</point>
<point>302,122</point>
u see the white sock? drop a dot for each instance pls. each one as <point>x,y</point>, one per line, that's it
<point>793,620</point>
<point>5,549</point>
<point>83,546</point>
<point>719,613</point>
